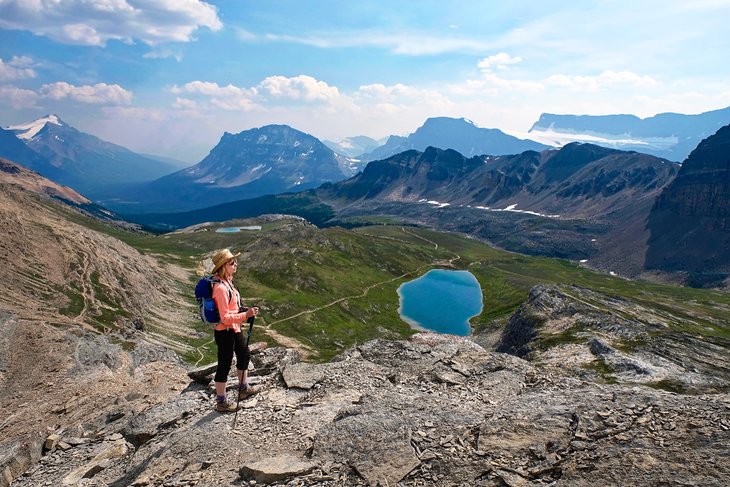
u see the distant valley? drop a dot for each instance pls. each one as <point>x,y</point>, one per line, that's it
<point>581,202</point>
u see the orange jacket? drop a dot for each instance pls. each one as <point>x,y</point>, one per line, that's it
<point>228,308</point>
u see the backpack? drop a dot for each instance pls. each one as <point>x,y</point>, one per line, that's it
<point>207,309</point>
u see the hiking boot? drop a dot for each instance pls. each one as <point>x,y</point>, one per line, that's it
<point>225,407</point>
<point>248,391</point>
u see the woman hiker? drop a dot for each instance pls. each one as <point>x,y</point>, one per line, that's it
<point>228,335</point>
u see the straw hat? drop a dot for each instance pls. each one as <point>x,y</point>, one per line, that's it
<point>221,258</point>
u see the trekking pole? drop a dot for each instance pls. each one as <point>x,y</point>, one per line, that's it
<point>240,382</point>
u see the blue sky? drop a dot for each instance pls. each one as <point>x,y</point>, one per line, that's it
<point>169,77</point>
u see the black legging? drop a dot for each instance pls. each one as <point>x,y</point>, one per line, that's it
<point>228,342</point>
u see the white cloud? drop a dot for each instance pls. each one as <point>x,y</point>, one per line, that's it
<point>472,87</point>
<point>498,61</point>
<point>17,68</point>
<point>492,85</point>
<point>512,84</point>
<point>227,97</point>
<point>397,93</point>
<point>212,89</point>
<point>94,23</point>
<point>245,35</point>
<point>378,99</point>
<point>300,87</point>
<point>98,94</point>
<point>605,79</point>
<point>271,90</point>
<point>18,98</point>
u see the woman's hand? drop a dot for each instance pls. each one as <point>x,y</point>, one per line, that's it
<point>251,312</point>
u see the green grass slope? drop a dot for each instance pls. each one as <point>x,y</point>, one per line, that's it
<point>325,289</point>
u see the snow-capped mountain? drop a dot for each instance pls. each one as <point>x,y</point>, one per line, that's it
<point>669,135</point>
<point>82,161</point>
<point>29,130</point>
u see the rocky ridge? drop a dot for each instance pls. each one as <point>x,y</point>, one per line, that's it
<point>593,336</point>
<point>434,410</point>
<point>15,174</point>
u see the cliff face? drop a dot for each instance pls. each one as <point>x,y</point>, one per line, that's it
<point>690,222</point>
<point>702,186</point>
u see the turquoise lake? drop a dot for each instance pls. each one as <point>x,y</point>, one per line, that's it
<point>441,301</point>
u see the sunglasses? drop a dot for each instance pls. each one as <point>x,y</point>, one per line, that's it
<point>233,262</point>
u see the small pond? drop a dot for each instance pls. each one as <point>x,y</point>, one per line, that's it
<point>442,301</point>
<point>237,229</point>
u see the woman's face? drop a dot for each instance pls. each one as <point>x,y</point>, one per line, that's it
<point>231,266</point>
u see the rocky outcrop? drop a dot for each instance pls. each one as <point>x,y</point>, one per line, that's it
<point>434,410</point>
<point>19,455</point>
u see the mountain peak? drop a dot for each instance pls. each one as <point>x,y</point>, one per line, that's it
<point>28,130</point>
<point>448,121</point>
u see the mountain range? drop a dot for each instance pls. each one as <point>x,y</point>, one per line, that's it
<point>576,181</point>
<point>620,211</point>
<point>105,173</point>
<point>579,384</point>
<point>582,201</point>
<point>458,134</point>
<point>669,135</point>
<point>599,197</point>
